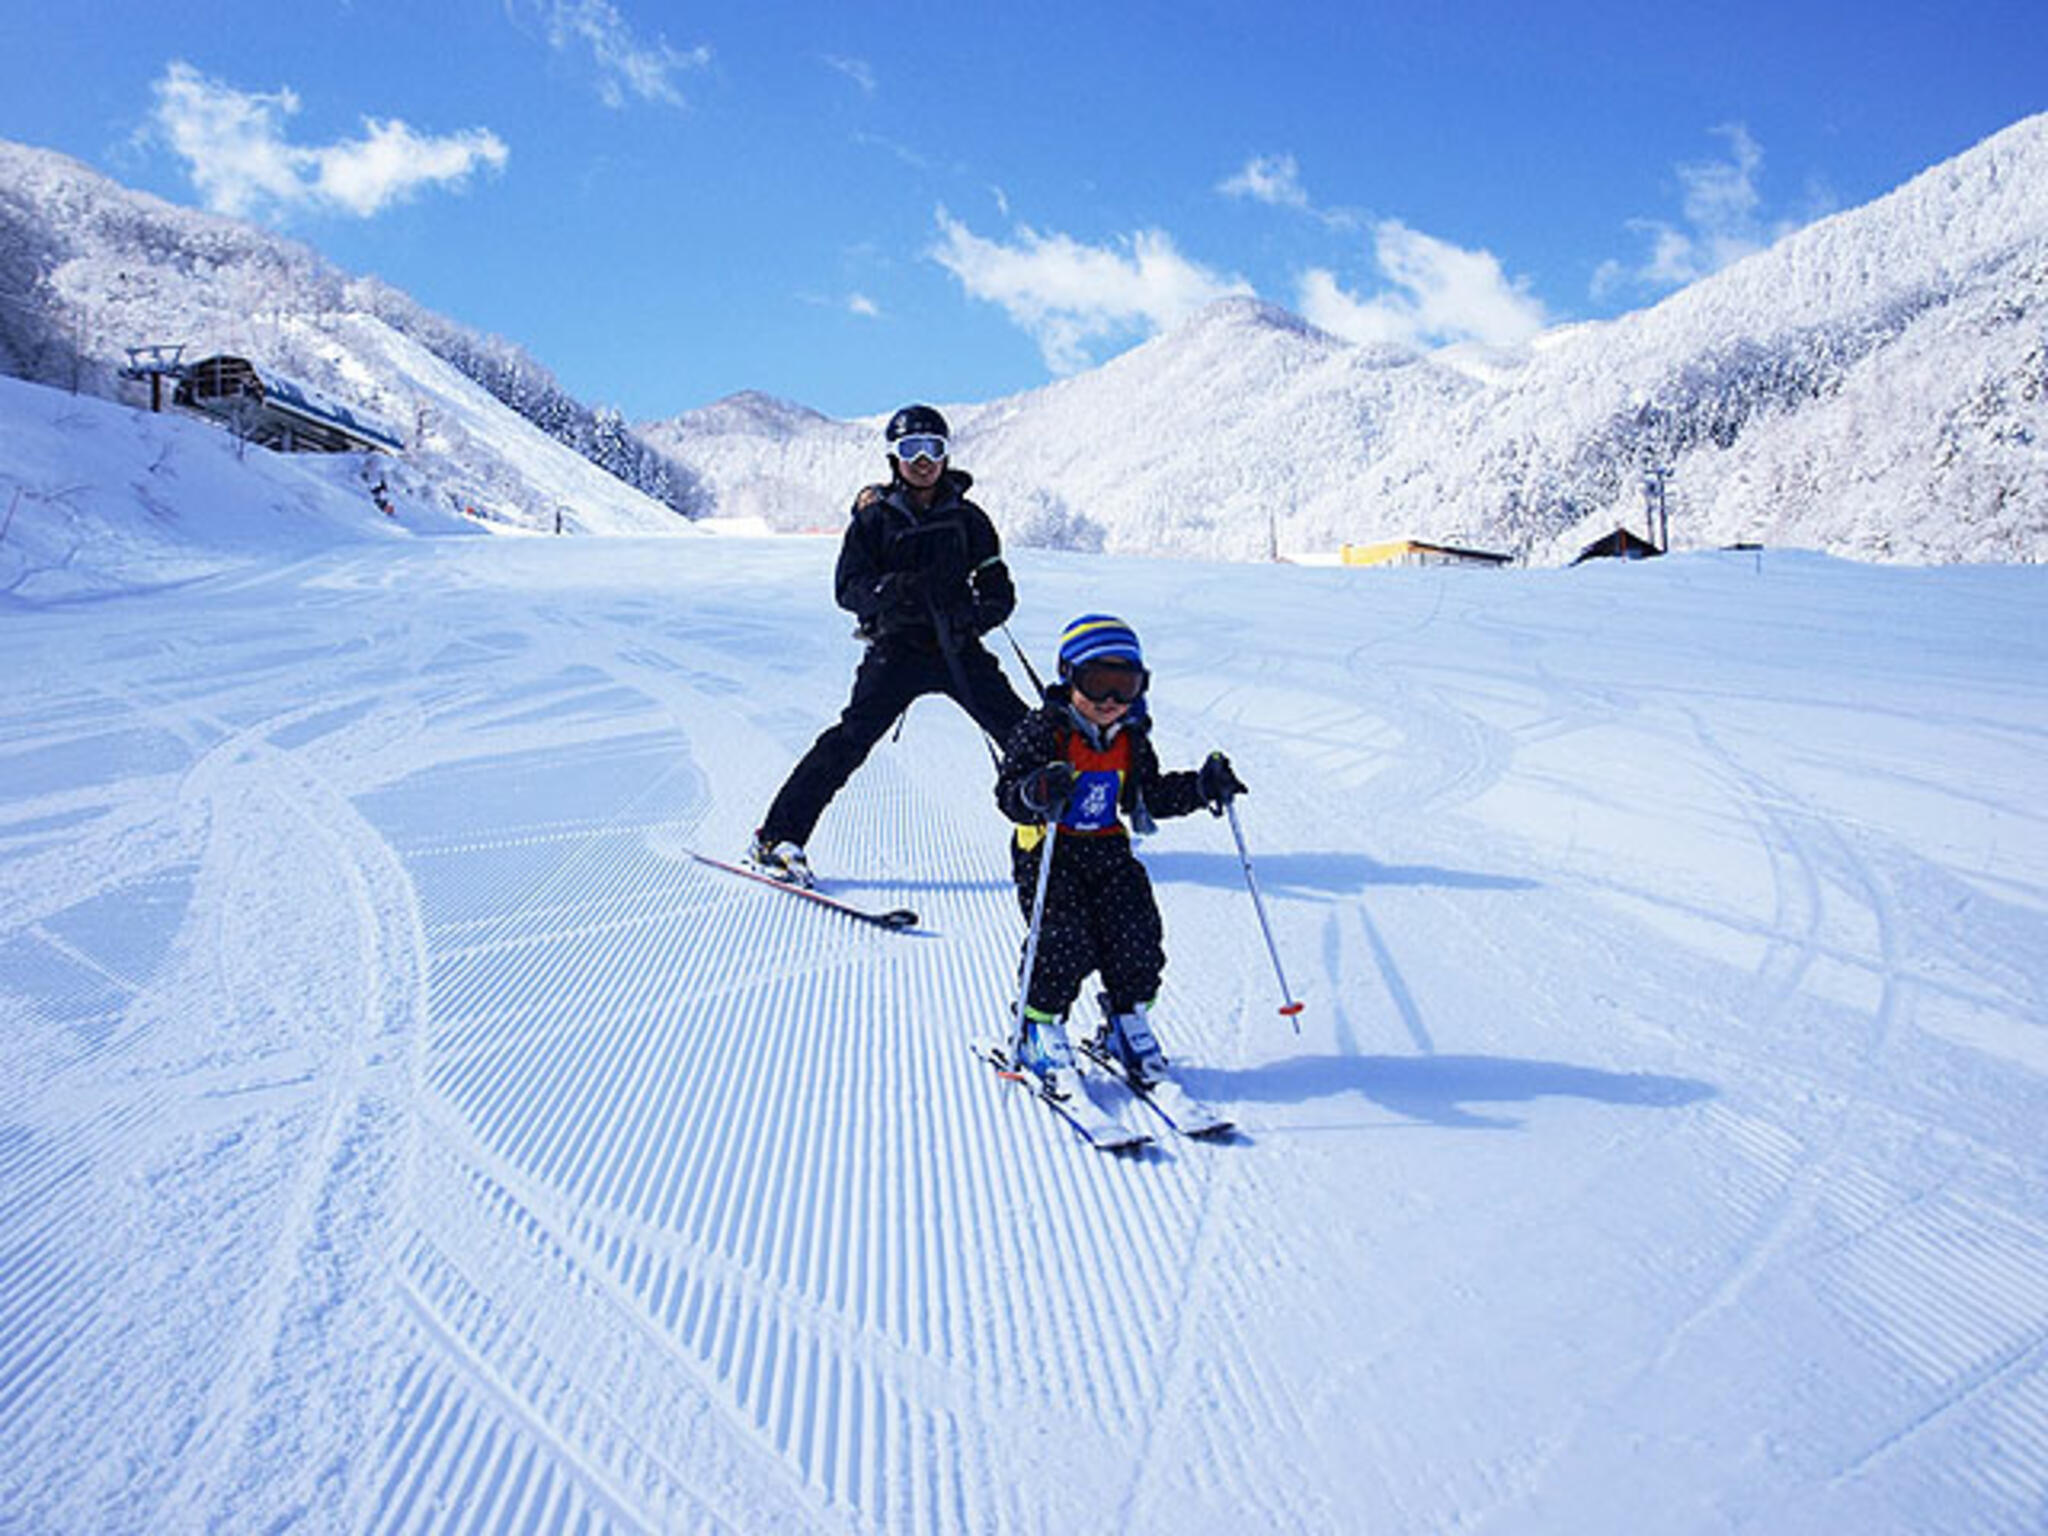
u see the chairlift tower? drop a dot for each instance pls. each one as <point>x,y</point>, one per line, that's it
<point>1656,482</point>
<point>155,363</point>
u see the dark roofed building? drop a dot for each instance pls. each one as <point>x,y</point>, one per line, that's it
<point>1618,545</point>
<point>277,412</point>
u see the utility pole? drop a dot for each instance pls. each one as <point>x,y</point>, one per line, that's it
<point>1655,480</point>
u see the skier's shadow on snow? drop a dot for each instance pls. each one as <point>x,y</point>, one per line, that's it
<point>1313,875</point>
<point>928,883</point>
<point>1318,874</point>
<point>1432,1089</point>
<point>1441,1090</point>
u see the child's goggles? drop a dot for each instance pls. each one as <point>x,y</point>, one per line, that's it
<point>923,446</point>
<point>1105,681</point>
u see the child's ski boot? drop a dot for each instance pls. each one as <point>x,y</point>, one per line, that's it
<point>1043,1050</point>
<point>1126,1046</point>
<point>1127,1039</point>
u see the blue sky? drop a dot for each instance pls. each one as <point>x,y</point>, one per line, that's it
<point>853,206</point>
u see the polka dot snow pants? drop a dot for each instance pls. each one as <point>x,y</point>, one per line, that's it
<point>1100,917</point>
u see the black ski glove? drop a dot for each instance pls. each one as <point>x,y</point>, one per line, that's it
<point>1045,790</point>
<point>1218,783</point>
<point>902,592</point>
<point>899,603</point>
<point>946,570</point>
<point>994,595</point>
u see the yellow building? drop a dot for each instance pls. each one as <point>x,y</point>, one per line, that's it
<point>1416,552</point>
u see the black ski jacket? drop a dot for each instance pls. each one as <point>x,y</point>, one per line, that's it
<point>931,579</point>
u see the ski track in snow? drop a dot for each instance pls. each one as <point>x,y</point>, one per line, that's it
<point>400,1132</point>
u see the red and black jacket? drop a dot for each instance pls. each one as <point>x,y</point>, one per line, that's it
<point>1120,768</point>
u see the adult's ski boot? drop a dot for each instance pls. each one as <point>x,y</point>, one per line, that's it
<point>782,861</point>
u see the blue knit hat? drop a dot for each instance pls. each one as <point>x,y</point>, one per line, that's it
<point>1098,637</point>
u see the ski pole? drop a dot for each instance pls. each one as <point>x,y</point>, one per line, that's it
<point>1288,1005</point>
<point>1037,682</point>
<point>1052,832</point>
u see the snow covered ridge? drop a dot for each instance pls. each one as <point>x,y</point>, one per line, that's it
<point>1875,386</point>
<point>89,268</point>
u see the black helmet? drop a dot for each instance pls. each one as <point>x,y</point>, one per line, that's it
<point>917,421</point>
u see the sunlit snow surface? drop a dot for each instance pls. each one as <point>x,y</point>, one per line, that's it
<point>398,1131</point>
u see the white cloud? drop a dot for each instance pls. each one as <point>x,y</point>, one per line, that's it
<point>1433,292</point>
<point>860,304</point>
<point>859,71</point>
<point>391,160</point>
<point>1440,293</point>
<point>626,66</point>
<point>1274,179</point>
<point>898,150</point>
<point>242,163</point>
<point>1723,221</point>
<point>1067,295</point>
<point>1323,302</point>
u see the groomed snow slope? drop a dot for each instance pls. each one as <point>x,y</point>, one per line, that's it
<point>399,1132</point>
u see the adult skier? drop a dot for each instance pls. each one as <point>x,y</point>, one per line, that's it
<point>921,567</point>
<point>1085,761</point>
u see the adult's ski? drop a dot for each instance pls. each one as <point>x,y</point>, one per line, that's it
<point>1068,1099</point>
<point>897,919</point>
<point>1183,1113</point>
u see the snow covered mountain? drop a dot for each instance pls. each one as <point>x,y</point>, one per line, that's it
<point>1199,441</point>
<point>89,269</point>
<point>784,464</point>
<point>1875,385</point>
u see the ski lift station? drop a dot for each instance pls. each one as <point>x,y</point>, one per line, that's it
<point>261,405</point>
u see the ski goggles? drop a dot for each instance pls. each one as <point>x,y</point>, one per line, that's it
<point>923,445</point>
<point>1104,682</point>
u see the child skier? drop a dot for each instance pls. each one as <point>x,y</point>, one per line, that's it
<point>1085,760</point>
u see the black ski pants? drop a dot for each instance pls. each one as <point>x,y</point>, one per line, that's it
<point>1100,916</point>
<point>891,677</point>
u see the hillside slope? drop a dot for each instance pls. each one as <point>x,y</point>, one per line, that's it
<point>1875,385</point>
<point>89,268</point>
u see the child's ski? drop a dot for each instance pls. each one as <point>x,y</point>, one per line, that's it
<point>900,918</point>
<point>1181,1110</point>
<point>1083,1115</point>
